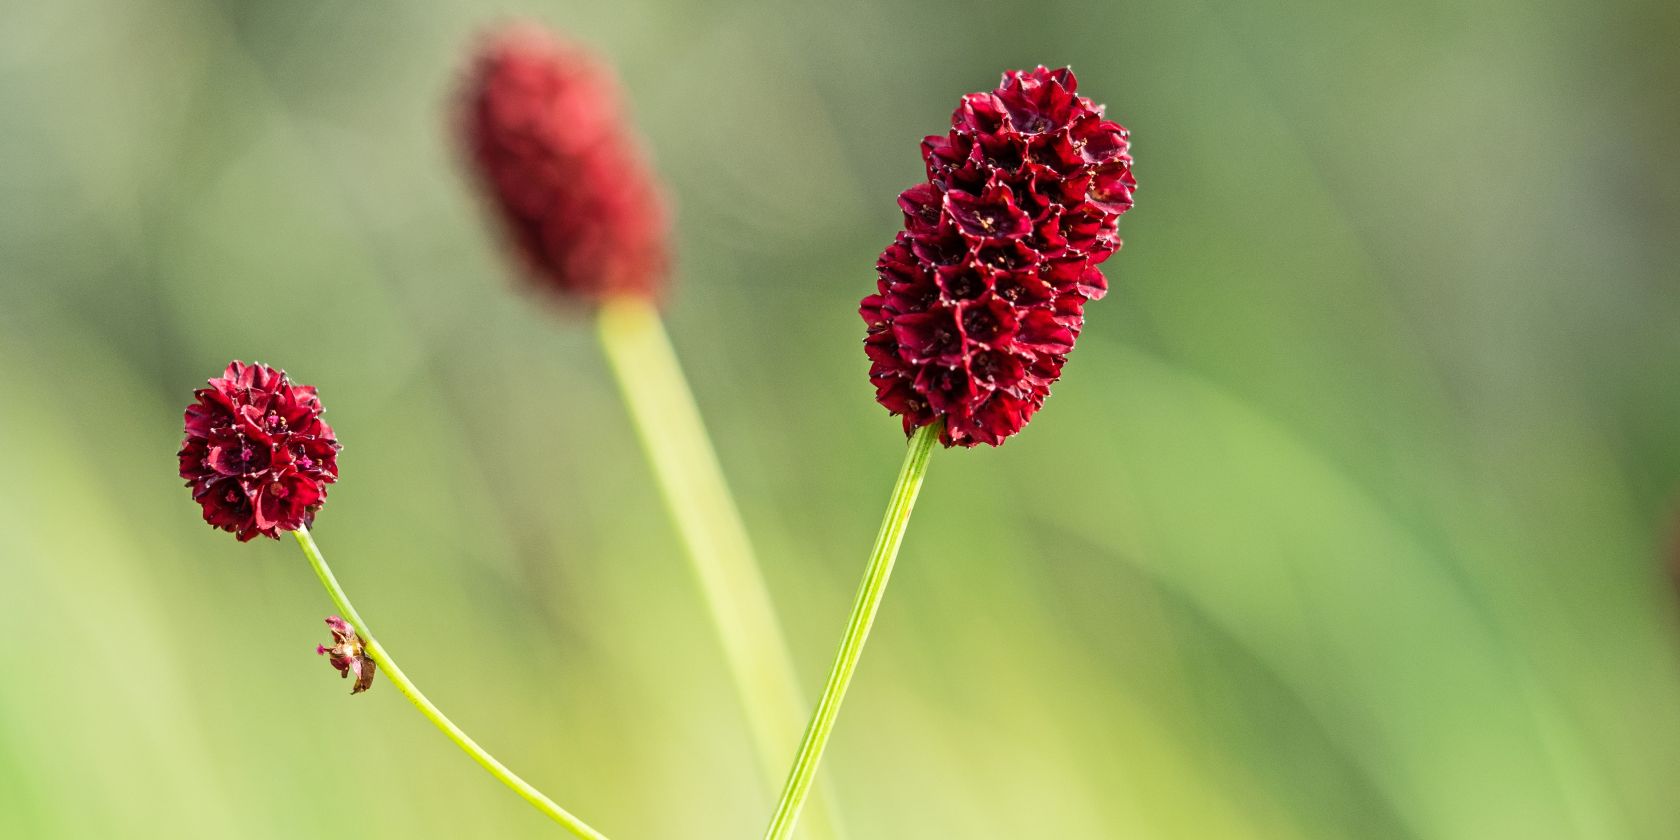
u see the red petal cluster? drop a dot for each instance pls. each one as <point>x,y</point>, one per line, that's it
<point>544,130</point>
<point>257,455</point>
<point>982,294</point>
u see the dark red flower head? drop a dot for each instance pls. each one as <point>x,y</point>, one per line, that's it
<point>982,294</point>
<point>348,654</point>
<point>258,456</point>
<point>548,139</point>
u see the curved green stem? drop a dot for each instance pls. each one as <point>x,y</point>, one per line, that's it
<point>864,607</point>
<point>412,692</point>
<point>668,424</point>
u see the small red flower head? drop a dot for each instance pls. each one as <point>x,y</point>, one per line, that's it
<point>982,294</point>
<point>547,137</point>
<point>257,455</point>
<point>348,654</point>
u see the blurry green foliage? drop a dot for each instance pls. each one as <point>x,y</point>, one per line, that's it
<point>1345,521</point>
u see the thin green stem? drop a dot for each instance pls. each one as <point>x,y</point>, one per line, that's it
<point>691,482</point>
<point>383,659</point>
<point>868,600</point>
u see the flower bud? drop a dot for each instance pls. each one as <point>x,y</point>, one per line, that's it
<point>348,654</point>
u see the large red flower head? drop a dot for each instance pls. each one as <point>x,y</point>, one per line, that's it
<point>547,136</point>
<point>982,294</point>
<point>257,455</point>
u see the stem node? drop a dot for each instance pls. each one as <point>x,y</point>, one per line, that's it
<point>377,652</point>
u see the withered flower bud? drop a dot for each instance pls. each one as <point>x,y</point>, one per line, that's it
<point>348,654</point>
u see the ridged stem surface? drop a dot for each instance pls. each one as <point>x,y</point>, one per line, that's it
<point>864,607</point>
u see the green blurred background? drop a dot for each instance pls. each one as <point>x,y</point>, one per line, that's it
<point>1348,519</point>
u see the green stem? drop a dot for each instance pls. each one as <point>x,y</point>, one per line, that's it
<point>691,482</point>
<point>869,594</point>
<point>412,692</point>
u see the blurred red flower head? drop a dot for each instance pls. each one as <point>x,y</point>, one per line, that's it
<point>980,297</point>
<point>257,454</point>
<point>557,161</point>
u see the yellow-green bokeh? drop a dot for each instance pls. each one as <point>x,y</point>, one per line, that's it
<point>1346,521</point>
